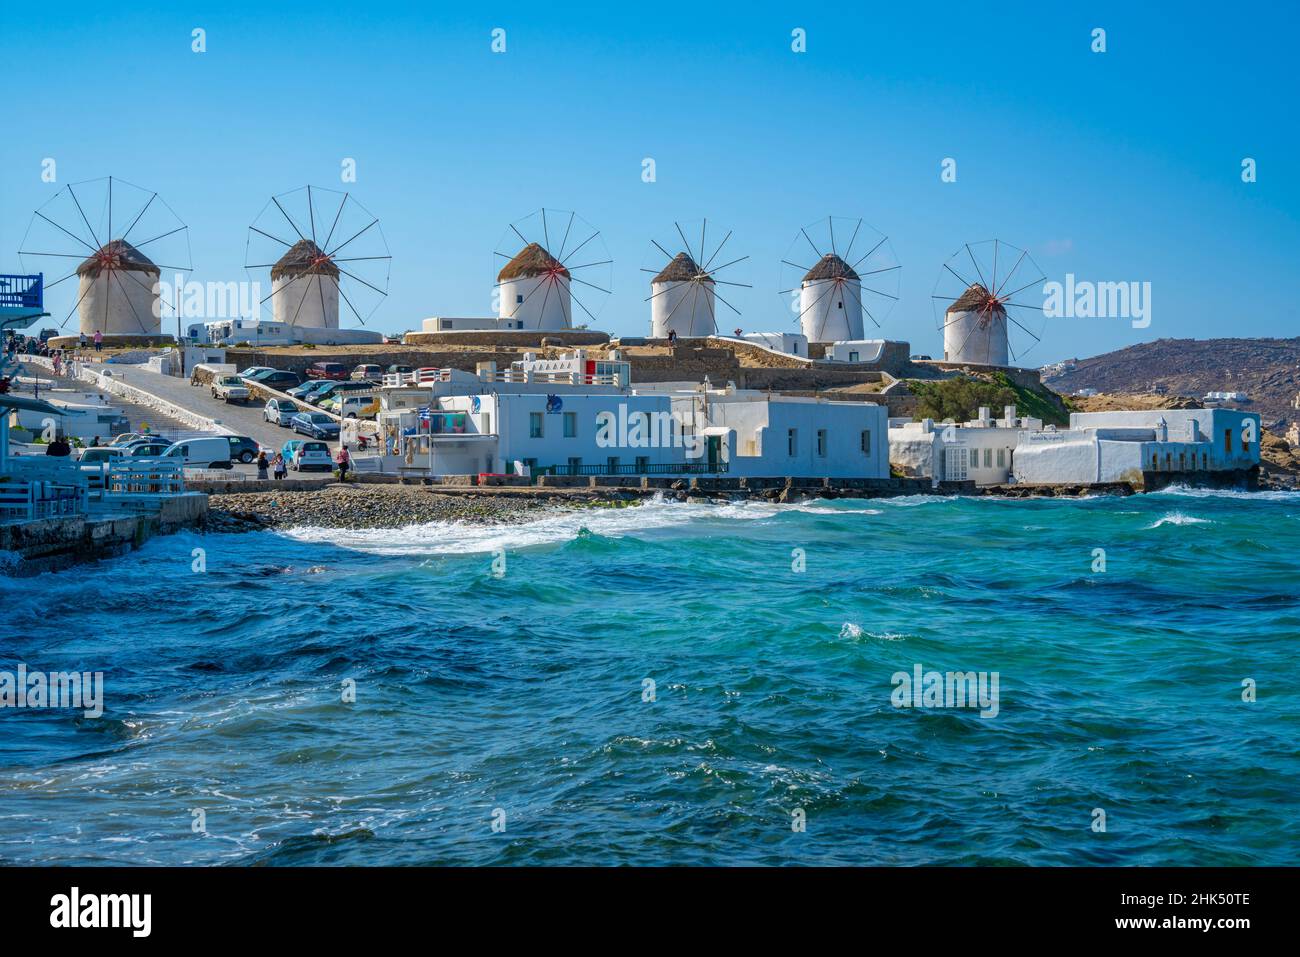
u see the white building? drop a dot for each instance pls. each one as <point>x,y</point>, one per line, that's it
<point>534,290</point>
<point>830,301</point>
<point>975,329</point>
<point>577,416</point>
<point>305,288</point>
<point>470,324</point>
<point>1121,446</point>
<point>789,343</point>
<point>981,450</point>
<point>855,350</point>
<point>682,300</point>
<point>117,292</point>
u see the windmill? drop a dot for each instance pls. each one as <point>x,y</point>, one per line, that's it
<point>535,286</point>
<point>115,238</point>
<point>842,268</point>
<point>684,291</point>
<point>321,246</point>
<point>980,297</point>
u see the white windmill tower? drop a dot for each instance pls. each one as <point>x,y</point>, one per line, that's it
<point>842,283</point>
<point>684,293</point>
<point>119,281</point>
<point>976,305</point>
<point>323,248</point>
<point>535,287</point>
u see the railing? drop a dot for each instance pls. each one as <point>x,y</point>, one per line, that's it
<point>425,377</point>
<point>22,292</point>
<point>24,498</point>
<point>143,476</point>
<point>669,468</point>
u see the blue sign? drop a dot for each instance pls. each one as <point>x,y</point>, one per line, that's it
<point>554,404</point>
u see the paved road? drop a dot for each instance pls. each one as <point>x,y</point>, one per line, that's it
<point>240,419</point>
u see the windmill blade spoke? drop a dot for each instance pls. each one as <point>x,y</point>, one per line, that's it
<point>28,252</point>
<point>575,249</point>
<point>959,277</point>
<point>727,304</point>
<point>350,306</point>
<point>311,215</point>
<point>705,266</point>
<point>581,306</point>
<point>162,236</point>
<point>803,232</point>
<point>565,241</point>
<point>334,225</point>
<point>870,252</point>
<point>531,292</point>
<point>861,306</point>
<point>85,292</point>
<point>830,224</point>
<point>978,271</point>
<point>275,291</point>
<point>546,234</point>
<point>592,285</point>
<point>288,217</point>
<point>1020,326</point>
<point>93,235</point>
<point>685,245</point>
<point>732,263</point>
<point>852,239</point>
<point>137,218</point>
<point>269,236</point>
<point>93,249</point>
<point>603,262</point>
<point>143,327</point>
<point>662,250</point>
<point>363,282</point>
<point>331,252</point>
<point>787,262</point>
<point>725,282</point>
<point>878,292</point>
<point>51,285</point>
<point>1022,288</point>
<point>359,259</point>
<point>874,272</point>
<point>1007,280</point>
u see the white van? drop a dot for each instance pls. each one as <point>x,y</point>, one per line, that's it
<point>358,406</point>
<point>208,452</point>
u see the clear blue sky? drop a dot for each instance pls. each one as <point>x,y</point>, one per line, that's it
<point>1117,166</point>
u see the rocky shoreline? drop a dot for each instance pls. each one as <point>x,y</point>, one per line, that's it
<point>363,506</point>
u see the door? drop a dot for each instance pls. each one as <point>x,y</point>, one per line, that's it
<point>714,447</point>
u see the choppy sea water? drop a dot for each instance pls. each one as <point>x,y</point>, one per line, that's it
<point>520,700</point>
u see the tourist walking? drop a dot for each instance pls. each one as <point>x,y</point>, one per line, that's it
<point>343,460</point>
<point>99,341</point>
<point>58,362</point>
<point>281,468</point>
<point>262,464</point>
<point>81,340</point>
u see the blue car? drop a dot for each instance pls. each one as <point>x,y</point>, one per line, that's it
<point>316,424</point>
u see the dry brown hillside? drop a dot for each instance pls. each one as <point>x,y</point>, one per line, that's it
<point>1267,370</point>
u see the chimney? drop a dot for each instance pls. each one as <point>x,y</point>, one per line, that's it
<point>1009,413</point>
<point>984,415</point>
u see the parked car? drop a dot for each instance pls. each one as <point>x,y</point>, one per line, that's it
<point>277,379</point>
<point>126,438</point>
<point>299,391</point>
<point>316,424</point>
<point>151,449</point>
<point>99,454</point>
<point>279,411</point>
<point>327,370</point>
<point>355,406</point>
<point>368,372</point>
<point>402,369</point>
<point>229,388</point>
<point>337,389</point>
<point>206,452</point>
<point>243,448</point>
<point>307,456</point>
<point>254,370</point>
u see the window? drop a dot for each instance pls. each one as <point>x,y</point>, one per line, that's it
<point>1227,441</point>
<point>1182,461</point>
<point>1002,458</point>
<point>519,298</point>
<point>853,357</point>
<point>485,423</point>
<point>535,425</point>
<point>792,442</point>
<point>866,441</point>
<point>1205,460</point>
<point>1245,443</point>
<point>821,442</point>
<point>988,458</point>
<point>570,425</point>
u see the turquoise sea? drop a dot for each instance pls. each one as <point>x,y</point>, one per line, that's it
<point>521,701</point>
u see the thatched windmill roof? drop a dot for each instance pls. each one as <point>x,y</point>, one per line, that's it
<point>116,254</point>
<point>830,266</point>
<point>304,258</point>
<point>977,299</point>
<point>682,269</point>
<point>532,260</point>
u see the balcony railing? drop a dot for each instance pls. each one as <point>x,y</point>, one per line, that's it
<point>426,377</point>
<point>665,468</point>
<point>22,292</point>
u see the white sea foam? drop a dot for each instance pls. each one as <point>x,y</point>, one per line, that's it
<point>1178,518</point>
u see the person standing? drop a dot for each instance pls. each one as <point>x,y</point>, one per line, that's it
<point>99,341</point>
<point>281,468</point>
<point>343,460</point>
<point>58,362</point>
<point>81,340</point>
<point>262,464</point>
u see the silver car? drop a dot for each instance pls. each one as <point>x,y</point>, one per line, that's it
<point>279,411</point>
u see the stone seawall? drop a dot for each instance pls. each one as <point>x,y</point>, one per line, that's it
<point>51,544</point>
